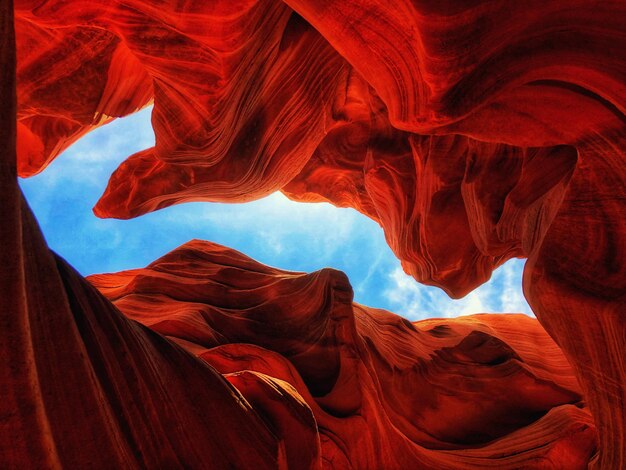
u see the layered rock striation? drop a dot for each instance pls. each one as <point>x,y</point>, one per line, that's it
<point>472,132</point>
<point>385,392</point>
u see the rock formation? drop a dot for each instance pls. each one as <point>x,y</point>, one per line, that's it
<point>472,132</point>
<point>383,390</point>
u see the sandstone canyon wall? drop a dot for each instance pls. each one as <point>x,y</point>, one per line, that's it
<point>472,132</point>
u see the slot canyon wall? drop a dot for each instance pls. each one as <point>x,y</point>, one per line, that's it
<point>472,132</point>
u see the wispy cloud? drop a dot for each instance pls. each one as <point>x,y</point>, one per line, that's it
<point>502,294</point>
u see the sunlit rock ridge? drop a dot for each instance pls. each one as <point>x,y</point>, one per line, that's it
<point>472,132</point>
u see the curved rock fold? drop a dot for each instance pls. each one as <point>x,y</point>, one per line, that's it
<point>472,132</point>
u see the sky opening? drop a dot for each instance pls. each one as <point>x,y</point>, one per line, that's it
<point>273,230</point>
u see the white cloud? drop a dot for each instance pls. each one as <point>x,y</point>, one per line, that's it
<point>511,297</point>
<point>502,294</point>
<point>277,223</point>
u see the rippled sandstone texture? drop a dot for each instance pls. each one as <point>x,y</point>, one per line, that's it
<point>474,392</point>
<point>473,132</point>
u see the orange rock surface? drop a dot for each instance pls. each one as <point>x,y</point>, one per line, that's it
<point>473,392</point>
<point>473,132</point>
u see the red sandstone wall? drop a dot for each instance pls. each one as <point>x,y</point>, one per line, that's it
<point>473,132</point>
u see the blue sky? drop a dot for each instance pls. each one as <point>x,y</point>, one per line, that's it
<point>274,230</point>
